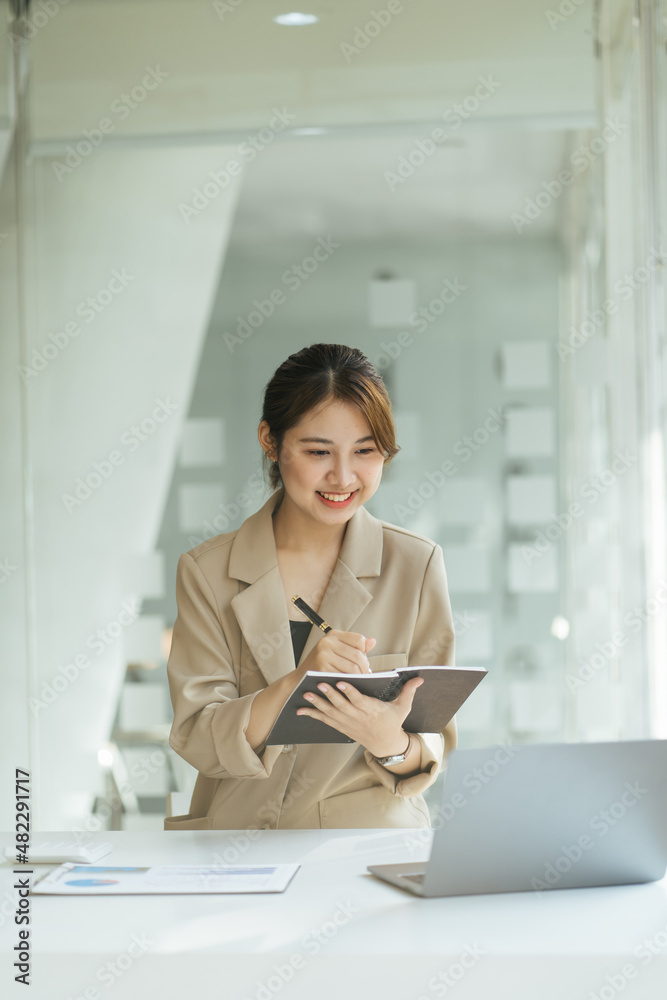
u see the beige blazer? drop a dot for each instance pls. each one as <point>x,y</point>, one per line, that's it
<point>232,638</point>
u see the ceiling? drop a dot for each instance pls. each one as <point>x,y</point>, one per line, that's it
<point>339,184</point>
<point>225,70</point>
<point>224,67</point>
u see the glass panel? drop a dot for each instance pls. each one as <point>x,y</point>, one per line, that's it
<point>17,731</point>
<point>200,195</point>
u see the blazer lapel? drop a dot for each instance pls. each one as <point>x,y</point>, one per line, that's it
<point>346,597</point>
<point>260,608</point>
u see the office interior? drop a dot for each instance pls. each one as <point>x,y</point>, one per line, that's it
<point>475,196</point>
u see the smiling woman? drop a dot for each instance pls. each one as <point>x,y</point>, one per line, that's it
<point>318,374</point>
<point>328,432</point>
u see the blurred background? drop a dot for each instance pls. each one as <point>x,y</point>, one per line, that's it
<point>474,195</point>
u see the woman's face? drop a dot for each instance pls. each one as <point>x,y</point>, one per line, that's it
<point>329,463</point>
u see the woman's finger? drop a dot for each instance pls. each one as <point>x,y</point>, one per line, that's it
<point>320,708</point>
<point>338,658</point>
<point>408,691</point>
<point>354,652</point>
<point>351,694</point>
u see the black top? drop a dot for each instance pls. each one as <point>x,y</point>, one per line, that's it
<point>300,632</point>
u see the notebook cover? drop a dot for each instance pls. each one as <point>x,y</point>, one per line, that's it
<point>438,699</point>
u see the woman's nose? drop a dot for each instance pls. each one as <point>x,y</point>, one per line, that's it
<point>342,472</point>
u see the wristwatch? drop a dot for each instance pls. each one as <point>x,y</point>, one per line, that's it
<point>396,758</point>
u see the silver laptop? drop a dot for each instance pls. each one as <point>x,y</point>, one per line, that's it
<point>543,816</point>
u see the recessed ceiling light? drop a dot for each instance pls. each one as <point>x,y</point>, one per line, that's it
<point>105,756</point>
<point>308,131</point>
<point>560,627</point>
<point>295,19</point>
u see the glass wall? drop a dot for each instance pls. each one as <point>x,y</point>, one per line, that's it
<point>18,626</point>
<point>186,200</point>
<point>611,351</point>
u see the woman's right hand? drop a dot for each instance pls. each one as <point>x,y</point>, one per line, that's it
<point>344,652</point>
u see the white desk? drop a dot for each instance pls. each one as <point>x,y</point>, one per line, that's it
<point>340,932</point>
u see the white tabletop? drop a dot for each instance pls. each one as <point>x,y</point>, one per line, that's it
<point>335,932</point>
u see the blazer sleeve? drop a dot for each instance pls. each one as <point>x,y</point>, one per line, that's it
<point>432,642</point>
<point>210,719</point>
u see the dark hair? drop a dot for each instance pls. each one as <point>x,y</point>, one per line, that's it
<point>316,375</point>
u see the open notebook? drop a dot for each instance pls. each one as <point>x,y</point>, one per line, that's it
<point>437,700</point>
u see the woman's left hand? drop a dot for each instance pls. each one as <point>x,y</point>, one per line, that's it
<point>376,725</point>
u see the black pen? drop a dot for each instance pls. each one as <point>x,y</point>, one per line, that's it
<point>315,619</point>
<point>311,615</point>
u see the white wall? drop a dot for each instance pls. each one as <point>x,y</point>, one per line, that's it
<point>113,222</point>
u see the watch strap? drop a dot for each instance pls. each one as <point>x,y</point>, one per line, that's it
<point>396,758</point>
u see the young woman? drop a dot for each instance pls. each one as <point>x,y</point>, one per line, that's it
<point>240,646</point>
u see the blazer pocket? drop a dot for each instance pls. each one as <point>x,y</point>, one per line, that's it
<point>388,661</point>
<point>187,822</point>
<point>373,808</point>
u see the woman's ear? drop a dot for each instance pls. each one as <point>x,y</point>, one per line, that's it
<point>266,440</point>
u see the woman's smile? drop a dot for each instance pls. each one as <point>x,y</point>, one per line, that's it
<point>337,499</point>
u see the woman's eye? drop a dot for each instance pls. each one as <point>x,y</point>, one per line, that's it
<point>361,451</point>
